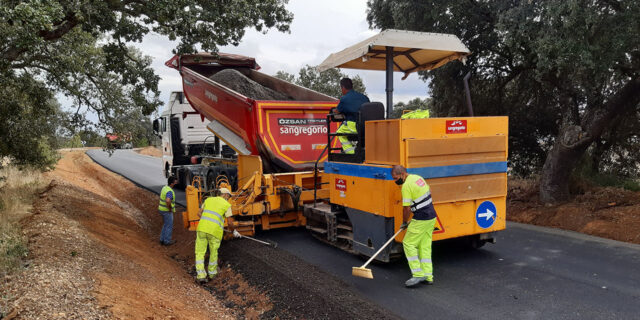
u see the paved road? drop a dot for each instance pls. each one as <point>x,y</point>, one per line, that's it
<point>145,171</point>
<point>531,273</point>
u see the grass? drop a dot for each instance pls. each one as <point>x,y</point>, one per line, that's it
<point>18,189</point>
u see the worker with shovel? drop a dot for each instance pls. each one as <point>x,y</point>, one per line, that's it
<point>209,232</point>
<point>416,199</point>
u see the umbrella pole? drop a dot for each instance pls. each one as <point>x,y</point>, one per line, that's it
<point>389,75</point>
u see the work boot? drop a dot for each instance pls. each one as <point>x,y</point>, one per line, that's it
<point>201,281</point>
<point>413,281</point>
<point>427,281</point>
<point>169,243</point>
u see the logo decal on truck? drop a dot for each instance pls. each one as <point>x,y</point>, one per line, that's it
<point>341,185</point>
<point>211,95</point>
<point>291,147</point>
<point>302,126</point>
<point>456,126</point>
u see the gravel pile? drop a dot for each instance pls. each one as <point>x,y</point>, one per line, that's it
<point>238,82</point>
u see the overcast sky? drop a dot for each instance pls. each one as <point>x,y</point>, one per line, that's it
<point>319,28</point>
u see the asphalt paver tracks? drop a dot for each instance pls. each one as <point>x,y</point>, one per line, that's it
<point>531,273</point>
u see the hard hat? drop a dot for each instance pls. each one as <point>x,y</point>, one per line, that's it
<point>224,190</point>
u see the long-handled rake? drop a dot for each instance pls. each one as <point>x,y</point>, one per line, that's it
<point>239,235</point>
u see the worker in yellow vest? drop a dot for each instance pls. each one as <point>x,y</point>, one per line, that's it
<point>167,207</point>
<point>209,232</point>
<point>416,199</point>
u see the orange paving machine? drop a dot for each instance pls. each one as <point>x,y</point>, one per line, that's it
<point>353,203</point>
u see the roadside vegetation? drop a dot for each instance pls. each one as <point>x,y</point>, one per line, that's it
<point>18,189</point>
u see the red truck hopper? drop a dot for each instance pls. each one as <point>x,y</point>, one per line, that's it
<point>289,135</point>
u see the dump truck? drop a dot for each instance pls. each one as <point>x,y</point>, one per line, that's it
<point>350,200</point>
<point>287,134</point>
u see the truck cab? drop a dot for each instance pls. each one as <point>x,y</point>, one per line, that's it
<point>185,138</point>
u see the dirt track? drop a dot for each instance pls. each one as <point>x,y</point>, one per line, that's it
<point>94,252</point>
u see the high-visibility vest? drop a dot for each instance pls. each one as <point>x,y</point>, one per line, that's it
<point>212,220</point>
<point>416,114</point>
<point>416,195</point>
<point>162,206</point>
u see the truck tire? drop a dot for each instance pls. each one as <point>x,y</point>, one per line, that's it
<point>188,177</point>
<point>212,174</point>
<point>474,242</point>
<point>179,174</point>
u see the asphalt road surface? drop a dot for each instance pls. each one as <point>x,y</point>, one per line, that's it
<point>531,273</point>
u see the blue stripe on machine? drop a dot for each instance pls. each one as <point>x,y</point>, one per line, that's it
<point>365,171</point>
<point>460,170</point>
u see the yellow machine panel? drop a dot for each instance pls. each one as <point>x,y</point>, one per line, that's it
<point>464,161</point>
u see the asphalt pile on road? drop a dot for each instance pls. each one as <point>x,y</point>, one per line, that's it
<point>240,83</point>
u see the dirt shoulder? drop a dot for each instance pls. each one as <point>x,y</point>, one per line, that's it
<point>91,255</point>
<point>94,254</point>
<point>611,213</point>
<point>150,151</point>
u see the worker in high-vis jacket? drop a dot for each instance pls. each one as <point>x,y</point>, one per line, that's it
<point>167,207</point>
<point>209,233</point>
<point>349,105</point>
<point>416,200</point>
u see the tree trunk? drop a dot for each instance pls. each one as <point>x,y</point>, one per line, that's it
<point>573,141</point>
<point>554,182</point>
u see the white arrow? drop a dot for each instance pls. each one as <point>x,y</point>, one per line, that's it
<point>486,215</point>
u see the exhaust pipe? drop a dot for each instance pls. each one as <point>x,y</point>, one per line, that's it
<point>468,93</point>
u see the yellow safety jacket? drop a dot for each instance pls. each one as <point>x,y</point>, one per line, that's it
<point>416,194</point>
<point>416,114</point>
<point>162,206</point>
<point>213,214</point>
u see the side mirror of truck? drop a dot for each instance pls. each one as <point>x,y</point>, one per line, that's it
<point>156,127</point>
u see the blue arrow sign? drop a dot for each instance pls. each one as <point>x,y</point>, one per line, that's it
<point>486,214</point>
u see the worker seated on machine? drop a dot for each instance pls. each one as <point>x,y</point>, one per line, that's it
<point>349,106</point>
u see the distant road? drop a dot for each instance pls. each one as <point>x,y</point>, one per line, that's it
<point>531,273</point>
<point>143,170</point>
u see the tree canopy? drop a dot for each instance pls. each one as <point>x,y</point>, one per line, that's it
<point>82,49</point>
<point>327,82</point>
<point>566,72</point>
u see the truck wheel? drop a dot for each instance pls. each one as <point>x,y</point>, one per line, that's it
<point>179,174</point>
<point>474,242</point>
<point>211,179</point>
<point>188,178</point>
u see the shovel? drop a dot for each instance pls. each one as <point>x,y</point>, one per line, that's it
<point>239,235</point>
<point>363,271</point>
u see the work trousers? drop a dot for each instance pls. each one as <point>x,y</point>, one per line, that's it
<point>348,146</point>
<point>204,239</point>
<point>417,247</point>
<point>167,226</point>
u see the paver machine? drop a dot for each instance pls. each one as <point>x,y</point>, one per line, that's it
<point>350,200</point>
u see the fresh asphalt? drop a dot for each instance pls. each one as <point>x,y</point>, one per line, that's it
<point>530,273</point>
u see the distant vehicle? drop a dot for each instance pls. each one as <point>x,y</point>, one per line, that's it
<point>119,141</point>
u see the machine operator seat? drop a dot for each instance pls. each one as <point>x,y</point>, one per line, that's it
<point>368,111</point>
